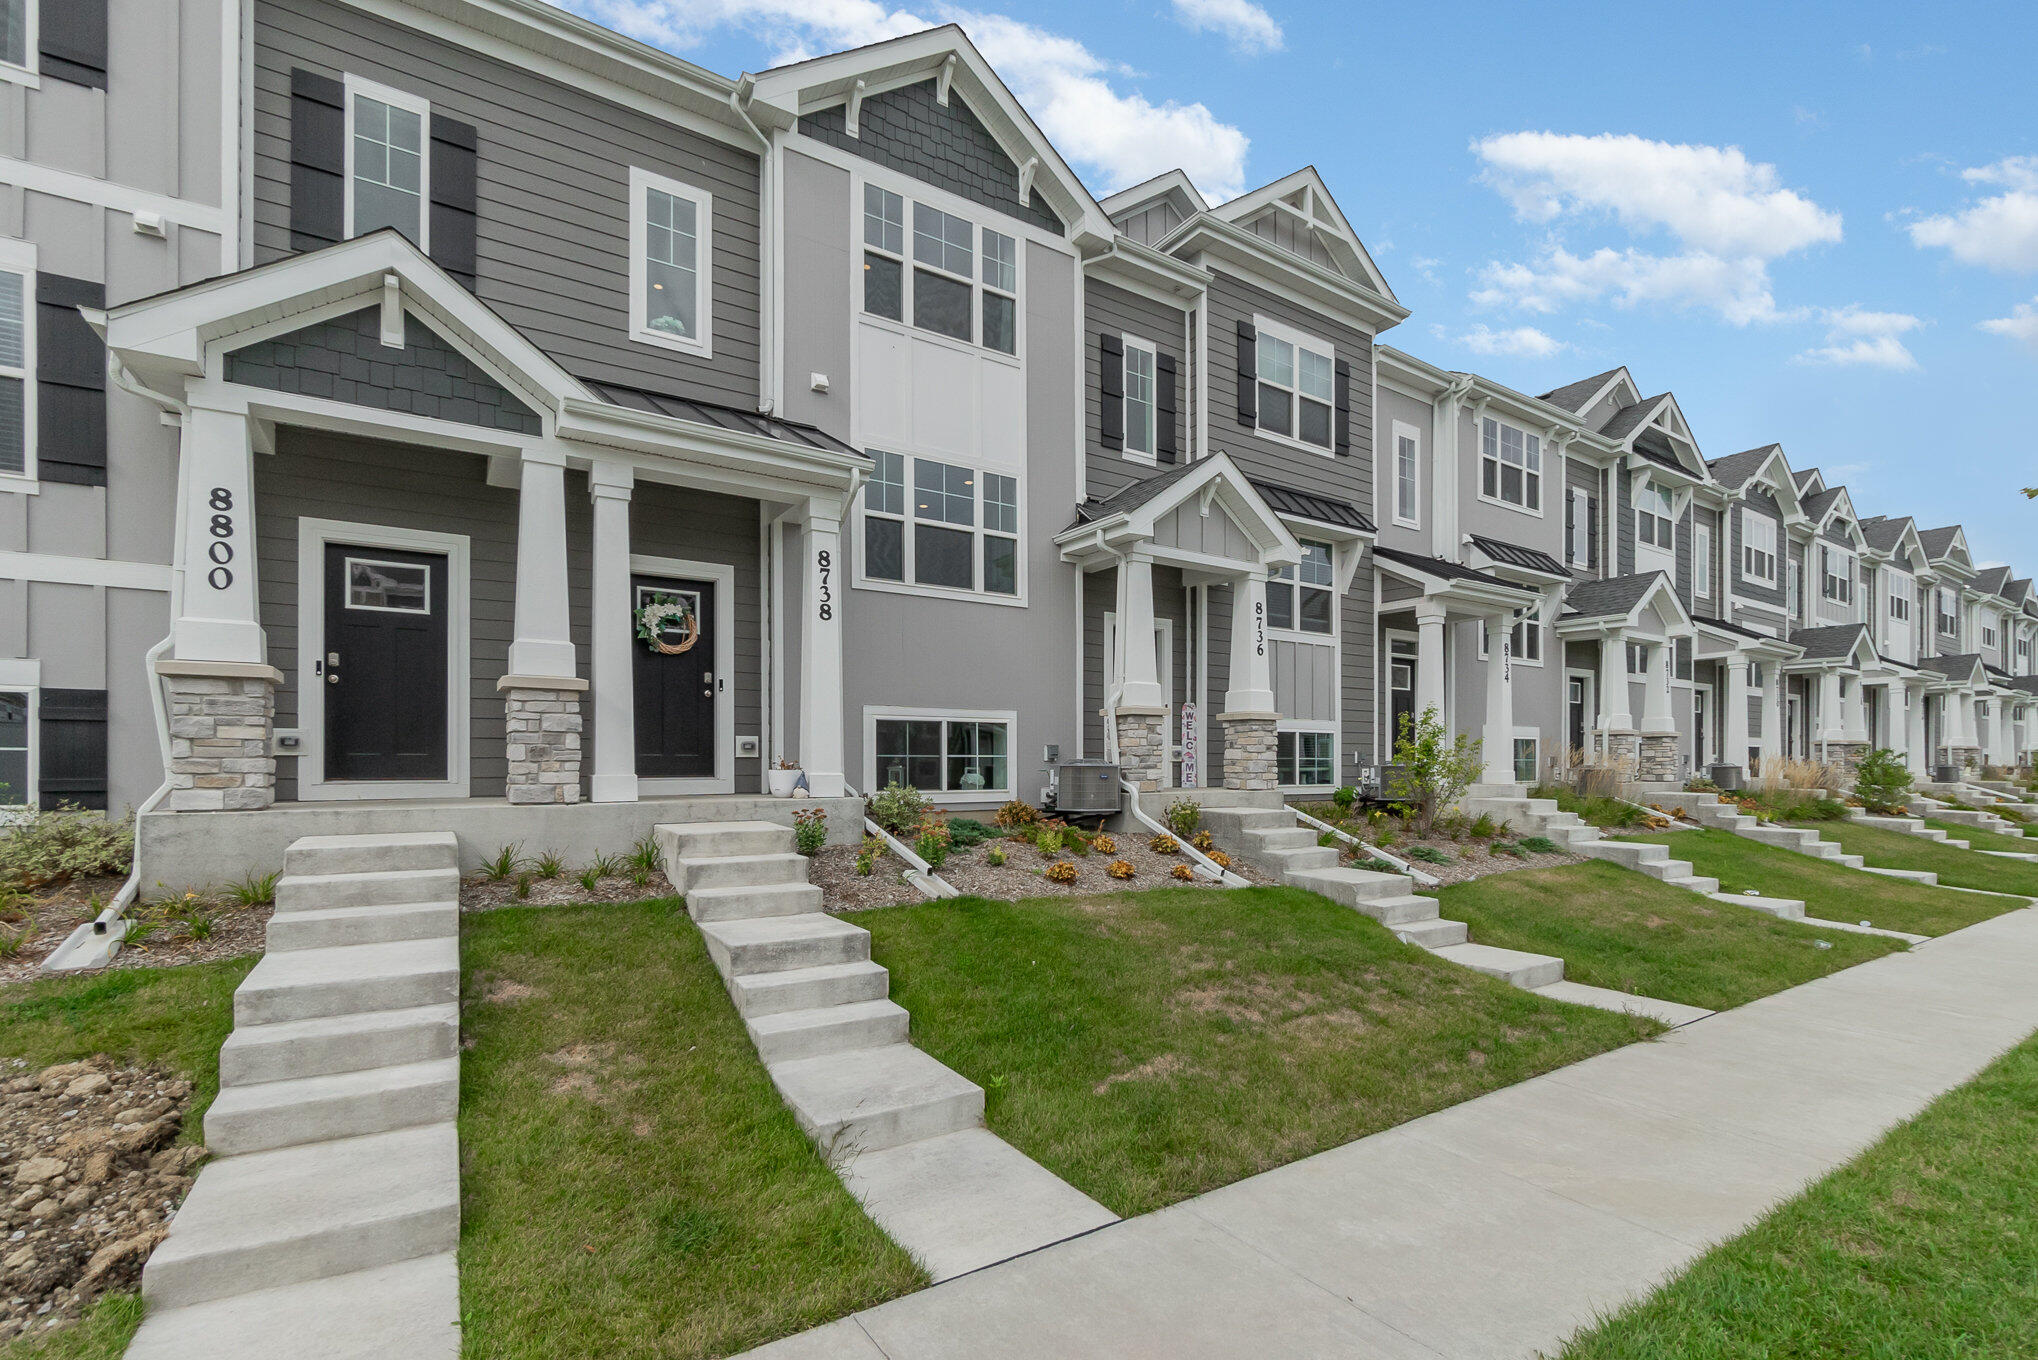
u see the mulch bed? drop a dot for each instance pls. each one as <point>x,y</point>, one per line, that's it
<point>227,930</point>
<point>94,1172</point>
<point>482,893</point>
<point>1472,859</point>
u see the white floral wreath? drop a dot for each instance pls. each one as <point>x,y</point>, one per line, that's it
<point>654,620</point>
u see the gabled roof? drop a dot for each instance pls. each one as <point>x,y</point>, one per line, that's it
<point>1808,481</point>
<point>1833,642</point>
<point>1964,666</point>
<point>1884,534</point>
<point>1736,470</point>
<point>2023,684</point>
<point>1575,397</point>
<point>1622,598</point>
<point>1132,495</point>
<point>1631,418</point>
<point>1818,502</point>
<point>1172,185</point>
<point>1992,579</point>
<point>1941,543</point>
<point>2017,591</point>
<point>1307,199</point>
<point>1132,518</point>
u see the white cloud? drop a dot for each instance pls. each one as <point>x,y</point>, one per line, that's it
<point>1728,216</point>
<point>1081,100</point>
<point>1856,337</point>
<point>1249,28</point>
<point>1519,340</point>
<point>1998,232</point>
<point>2020,325</point>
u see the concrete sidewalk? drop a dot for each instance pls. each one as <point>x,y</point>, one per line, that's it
<point>1497,1227</point>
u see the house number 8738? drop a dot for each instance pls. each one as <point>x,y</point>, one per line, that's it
<point>221,550</point>
<point>824,593</point>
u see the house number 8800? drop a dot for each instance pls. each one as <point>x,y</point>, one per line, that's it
<point>221,549</point>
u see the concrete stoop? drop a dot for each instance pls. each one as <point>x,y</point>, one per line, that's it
<point>904,1132</point>
<point>326,1225</point>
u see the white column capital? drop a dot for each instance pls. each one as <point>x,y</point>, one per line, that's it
<point>548,452</point>
<point>615,480</point>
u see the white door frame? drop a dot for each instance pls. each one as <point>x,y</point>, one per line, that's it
<point>312,537</point>
<point>1591,710</point>
<point>723,578</point>
<point>1702,704</point>
<point>1384,735</point>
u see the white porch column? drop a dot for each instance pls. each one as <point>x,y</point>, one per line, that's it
<point>1962,729</point>
<point>1854,713</point>
<point>821,689</point>
<point>1832,726</point>
<point>1429,660</point>
<point>1917,750</point>
<point>1735,729</point>
<point>612,664</point>
<point>1497,744</point>
<point>1613,685</point>
<point>1657,719</point>
<point>544,640</point>
<point>1139,680</point>
<point>1252,673</point>
<point>1774,713</point>
<point>218,614</point>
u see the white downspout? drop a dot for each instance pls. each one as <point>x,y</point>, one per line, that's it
<point>769,246</point>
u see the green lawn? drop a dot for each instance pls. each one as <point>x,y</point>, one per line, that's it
<point>1616,928</point>
<point>1829,890</point>
<point>1886,849</point>
<point>172,1017</point>
<point>632,1184</point>
<point>1150,1046</point>
<point>1979,839</point>
<point>1923,1246</point>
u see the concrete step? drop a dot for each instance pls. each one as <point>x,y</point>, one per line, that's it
<point>1664,870</point>
<point>1606,999</point>
<point>1282,838</point>
<point>1529,971</point>
<point>715,840</point>
<point>1352,886</point>
<point>304,984</point>
<point>1924,876</point>
<point>777,944</point>
<point>406,1311</point>
<point>798,989</point>
<point>1409,909</point>
<point>1783,908</point>
<point>1787,837</point>
<point>876,1098</point>
<point>743,904</point>
<point>1241,819</point>
<point>1313,859</point>
<point>339,1043</point>
<point>274,1114</point>
<point>314,892</point>
<point>1432,934</point>
<point>789,1036</point>
<point>1631,854</point>
<point>295,1214</point>
<point>332,927</point>
<point>1697,883</point>
<point>740,871</point>
<point>319,856</point>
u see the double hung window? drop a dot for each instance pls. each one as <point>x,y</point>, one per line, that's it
<point>1758,548</point>
<point>1297,387</point>
<point>388,162</point>
<point>671,226</point>
<point>1655,516</point>
<point>1303,597</point>
<point>1510,465</point>
<point>938,524</point>
<point>934,278</point>
<point>17,363</point>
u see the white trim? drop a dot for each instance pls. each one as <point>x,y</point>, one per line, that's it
<point>1701,579</point>
<point>723,577</point>
<point>33,773</point>
<point>1528,734</point>
<point>29,72</point>
<point>1541,471</point>
<point>359,87</point>
<point>912,713</point>
<point>1312,726</point>
<point>103,193</point>
<point>82,571</point>
<point>1393,463</point>
<point>312,537</point>
<point>702,342</point>
<point>1299,340</point>
<point>977,529</point>
<point>19,258</point>
<point>1775,552</point>
<point>1129,343</point>
<point>1164,646</point>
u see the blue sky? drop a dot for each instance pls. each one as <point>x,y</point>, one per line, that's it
<point>1817,224</point>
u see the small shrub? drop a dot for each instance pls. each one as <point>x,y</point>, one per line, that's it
<point>640,877</point>
<point>1372,865</point>
<point>1538,845</point>
<point>899,808</point>
<point>601,866</point>
<point>1048,840</point>
<point>1204,841</point>
<point>1183,816</point>
<point>1103,844</point>
<point>1882,782</point>
<point>1505,848</point>
<point>255,890</point>
<point>1015,815</point>
<point>868,854</point>
<point>1164,844</point>
<point>524,887</point>
<point>57,844</point>
<point>199,925</point>
<point>1121,868</point>
<point>1700,785</point>
<point>1061,871</point>
<point>1484,828</point>
<point>995,857</point>
<point>963,832</point>
<point>1344,798</point>
<point>1429,854</point>
<point>551,864</point>
<point>503,863</point>
<point>589,880</point>
<point>1328,840</point>
<point>810,830</point>
<point>1434,768</point>
<point>1183,872</point>
<point>1220,859</point>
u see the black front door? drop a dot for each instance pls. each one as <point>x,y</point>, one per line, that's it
<point>1401,715</point>
<point>1575,701</point>
<point>384,668</point>
<point>676,690</point>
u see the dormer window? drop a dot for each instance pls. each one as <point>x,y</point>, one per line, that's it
<point>1655,516</point>
<point>1836,572</point>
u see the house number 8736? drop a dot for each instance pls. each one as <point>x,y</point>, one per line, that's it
<point>221,550</point>
<point>824,593</point>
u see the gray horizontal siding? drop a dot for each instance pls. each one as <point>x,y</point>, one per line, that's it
<point>553,172</point>
<point>1760,502</point>
<point>1109,310</point>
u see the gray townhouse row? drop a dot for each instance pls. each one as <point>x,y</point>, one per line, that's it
<point>453,402</point>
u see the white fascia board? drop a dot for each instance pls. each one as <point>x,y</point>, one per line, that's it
<point>1149,272</point>
<point>1173,185</point>
<point>1274,194</point>
<point>1311,283</point>
<point>763,465</point>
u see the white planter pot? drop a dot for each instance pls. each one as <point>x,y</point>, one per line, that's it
<point>781,782</point>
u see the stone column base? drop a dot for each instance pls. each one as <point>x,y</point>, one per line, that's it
<point>1249,755</point>
<point>1657,758</point>
<point>1143,747</point>
<point>222,717</point>
<point>541,724</point>
<point>1967,757</point>
<point>1621,749</point>
<point>1845,756</point>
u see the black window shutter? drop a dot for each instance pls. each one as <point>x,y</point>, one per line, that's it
<point>1165,445</point>
<point>1248,374</point>
<point>1111,385</point>
<point>72,39</point>
<point>1342,386</point>
<point>318,160</point>
<point>70,383</point>
<point>72,733</point>
<point>1592,532</point>
<point>455,197</point>
<point>1570,530</point>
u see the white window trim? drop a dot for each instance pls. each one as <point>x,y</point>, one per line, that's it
<point>25,677</point>
<point>1578,503</point>
<point>1532,623</point>
<point>1303,340</point>
<point>1400,429</point>
<point>1646,484</point>
<point>1701,561</point>
<point>914,191</point>
<point>1830,556</point>
<point>702,344</point>
<point>950,797</point>
<point>1299,634</point>
<point>355,86</point>
<point>1129,343</point>
<point>722,576</point>
<point>1774,553</point>
<point>19,257</point>
<point>312,537</point>
<point>862,580</point>
<point>1542,472</point>
<point>1533,735</point>
<point>1298,725</point>
<point>29,73</point>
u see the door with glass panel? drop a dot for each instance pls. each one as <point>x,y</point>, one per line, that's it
<point>384,668</point>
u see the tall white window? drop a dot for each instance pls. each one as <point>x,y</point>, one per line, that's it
<point>1407,475</point>
<point>17,35</point>
<point>936,524</point>
<point>17,768</point>
<point>1001,292</point>
<point>1305,759</point>
<point>1949,612</point>
<point>1510,465</point>
<point>671,236</point>
<point>17,359</point>
<point>1988,634</point>
<point>1758,548</point>
<point>1297,391</point>
<point>1527,639</point>
<point>1303,597</point>
<point>943,292</point>
<point>388,161</point>
<point>1836,574</point>
<point>1701,561</point>
<point>1582,528</point>
<point>1655,516</point>
<point>1900,598</point>
<point>1141,364</point>
<point>884,253</point>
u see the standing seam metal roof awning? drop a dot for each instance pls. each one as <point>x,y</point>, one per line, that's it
<point>721,417</point>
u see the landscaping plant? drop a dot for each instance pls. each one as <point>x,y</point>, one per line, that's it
<point>1180,871</point>
<point>1164,844</point>
<point>1539,845</point>
<point>57,844</point>
<point>1123,868</point>
<point>963,832</point>
<point>1061,871</point>
<point>503,863</point>
<point>1048,839</point>
<point>1429,854</point>
<point>810,830</point>
<point>256,890</point>
<point>1882,782</point>
<point>995,857</point>
<point>644,856</point>
<point>1204,841</point>
<point>1016,815</point>
<point>551,864</point>
<point>1434,769</point>
<point>1103,844</point>
<point>899,808</point>
<point>931,843</point>
<point>1219,858</point>
<point>867,855</point>
<point>1183,816</point>
<point>1344,796</point>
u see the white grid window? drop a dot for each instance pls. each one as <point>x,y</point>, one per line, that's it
<point>884,255</point>
<point>17,354</point>
<point>671,256</point>
<point>1302,598</point>
<point>931,532</point>
<point>1141,366</point>
<point>1527,638</point>
<point>1988,635</point>
<point>1306,759</point>
<point>17,726</point>
<point>1510,465</point>
<point>1701,561</point>
<point>1407,476</point>
<point>943,755</point>
<point>1582,528</point>
<point>1758,548</point>
<point>1297,388</point>
<point>1949,612</point>
<point>944,267</point>
<point>388,162</point>
<point>1655,516</point>
<point>943,292</point>
<point>1001,292</point>
<point>1900,598</point>
<point>1836,574</point>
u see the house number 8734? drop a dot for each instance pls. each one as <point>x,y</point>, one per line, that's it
<point>221,550</point>
<point>824,593</point>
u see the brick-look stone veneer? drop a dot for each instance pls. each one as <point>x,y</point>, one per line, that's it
<point>1620,750</point>
<point>1249,759</point>
<point>1658,759</point>
<point>220,726</point>
<point>1143,748</point>
<point>1966,757</point>
<point>542,727</point>
<point>1845,756</point>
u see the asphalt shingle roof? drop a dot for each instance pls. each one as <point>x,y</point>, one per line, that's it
<point>1132,495</point>
<point>1830,643</point>
<point>1734,470</point>
<point>1613,595</point>
<point>1816,504</point>
<point>1804,478</point>
<point>1573,396</point>
<point>1884,534</point>
<point>1992,579</point>
<point>1529,559</point>
<point>1628,419</point>
<point>1958,667</point>
<point>1938,541</point>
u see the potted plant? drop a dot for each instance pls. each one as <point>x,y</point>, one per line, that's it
<point>783,777</point>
